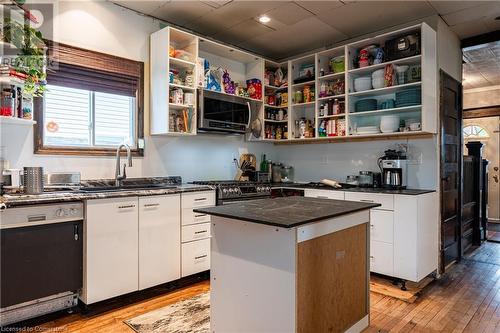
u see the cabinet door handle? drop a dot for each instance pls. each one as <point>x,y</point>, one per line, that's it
<point>152,205</point>
<point>200,199</point>
<point>201,257</point>
<point>199,215</point>
<point>321,197</point>
<point>200,232</point>
<point>126,206</point>
<point>37,218</point>
<point>365,200</point>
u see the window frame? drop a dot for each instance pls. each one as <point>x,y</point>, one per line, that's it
<point>94,61</point>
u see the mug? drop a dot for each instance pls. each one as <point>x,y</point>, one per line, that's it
<point>415,126</point>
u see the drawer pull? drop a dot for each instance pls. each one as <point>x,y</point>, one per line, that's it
<point>199,215</point>
<point>372,257</point>
<point>151,205</point>
<point>37,218</point>
<point>364,200</point>
<point>200,199</point>
<point>126,206</point>
<point>321,197</point>
<point>201,257</point>
<point>200,232</point>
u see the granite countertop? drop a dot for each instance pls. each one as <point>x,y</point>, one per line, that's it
<point>287,212</point>
<point>12,200</point>
<point>408,191</point>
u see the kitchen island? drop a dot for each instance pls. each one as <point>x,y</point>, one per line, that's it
<point>291,264</point>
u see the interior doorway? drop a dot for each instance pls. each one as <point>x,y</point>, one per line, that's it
<point>487,130</point>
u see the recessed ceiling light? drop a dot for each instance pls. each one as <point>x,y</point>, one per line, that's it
<point>264,19</point>
<point>497,18</point>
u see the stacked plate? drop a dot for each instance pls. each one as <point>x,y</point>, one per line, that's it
<point>367,130</point>
<point>369,104</point>
<point>408,97</point>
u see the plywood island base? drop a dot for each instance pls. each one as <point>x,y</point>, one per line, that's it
<point>311,278</point>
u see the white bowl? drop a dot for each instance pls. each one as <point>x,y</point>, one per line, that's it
<point>363,83</point>
<point>389,124</point>
<point>378,82</point>
<point>378,73</point>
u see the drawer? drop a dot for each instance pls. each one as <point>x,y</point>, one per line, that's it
<point>195,232</point>
<point>324,194</point>
<point>198,199</point>
<point>195,257</point>
<point>382,226</point>
<point>381,258</point>
<point>190,217</point>
<point>386,200</point>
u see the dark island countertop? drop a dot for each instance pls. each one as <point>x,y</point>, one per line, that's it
<point>287,212</point>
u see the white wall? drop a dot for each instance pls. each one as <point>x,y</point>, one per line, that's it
<point>482,97</point>
<point>104,27</point>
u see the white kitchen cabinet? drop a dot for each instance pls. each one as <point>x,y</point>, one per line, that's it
<point>381,258</point>
<point>195,232</point>
<point>386,200</point>
<point>324,194</point>
<point>195,249</point>
<point>195,257</point>
<point>404,233</point>
<point>416,227</point>
<point>159,240</point>
<point>382,226</point>
<point>110,248</point>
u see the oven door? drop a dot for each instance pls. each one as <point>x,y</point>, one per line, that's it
<point>223,113</point>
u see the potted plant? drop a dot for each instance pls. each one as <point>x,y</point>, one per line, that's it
<point>31,56</point>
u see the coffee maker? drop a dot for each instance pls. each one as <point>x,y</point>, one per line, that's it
<point>393,166</point>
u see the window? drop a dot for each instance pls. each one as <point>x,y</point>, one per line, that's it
<point>92,104</point>
<point>83,118</point>
<point>475,132</point>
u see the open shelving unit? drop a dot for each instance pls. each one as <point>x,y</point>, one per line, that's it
<point>243,66</point>
<point>173,53</point>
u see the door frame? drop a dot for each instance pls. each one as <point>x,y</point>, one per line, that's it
<point>442,77</point>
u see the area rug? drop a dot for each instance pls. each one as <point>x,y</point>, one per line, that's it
<point>189,316</point>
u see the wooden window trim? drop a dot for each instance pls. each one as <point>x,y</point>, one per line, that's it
<point>96,61</point>
<point>489,111</point>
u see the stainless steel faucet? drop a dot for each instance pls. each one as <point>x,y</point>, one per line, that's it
<point>120,177</point>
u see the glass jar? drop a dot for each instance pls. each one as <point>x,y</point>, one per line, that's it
<point>287,174</point>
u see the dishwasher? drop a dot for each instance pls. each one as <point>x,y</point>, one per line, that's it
<point>41,260</point>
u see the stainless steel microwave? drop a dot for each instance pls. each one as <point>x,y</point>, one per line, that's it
<point>218,112</point>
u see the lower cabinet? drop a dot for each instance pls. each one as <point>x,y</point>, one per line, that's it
<point>403,232</point>
<point>195,249</point>
<point>159,240</point>
<point>195,257</point>
<point>111,249</point>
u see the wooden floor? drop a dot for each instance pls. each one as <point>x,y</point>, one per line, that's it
<point>466,300</point>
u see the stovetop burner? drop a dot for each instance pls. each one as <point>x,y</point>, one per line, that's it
<point>238,190</point>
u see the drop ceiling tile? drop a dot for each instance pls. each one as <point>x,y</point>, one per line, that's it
<point>216,3</point>
<point>447,7</point>
<point>146,7</point>
<point>466,30</point>
<point>355,19</point>
<point>242,31</point>
<point>318,7</point>
<point>295,39</point>
<point>180,12</point>
<point>239,11</point>
<point>473,14</point>
<point>289,13</point>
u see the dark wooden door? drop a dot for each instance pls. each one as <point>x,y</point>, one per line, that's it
<point>451,168</point>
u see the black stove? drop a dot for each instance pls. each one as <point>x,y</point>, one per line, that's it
<point>233,191</point>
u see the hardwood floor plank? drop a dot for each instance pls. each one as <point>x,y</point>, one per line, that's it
<point>467,299</point>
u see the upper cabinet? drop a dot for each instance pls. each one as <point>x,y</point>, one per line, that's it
<point>379,87</point>
<point>174,54</point>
